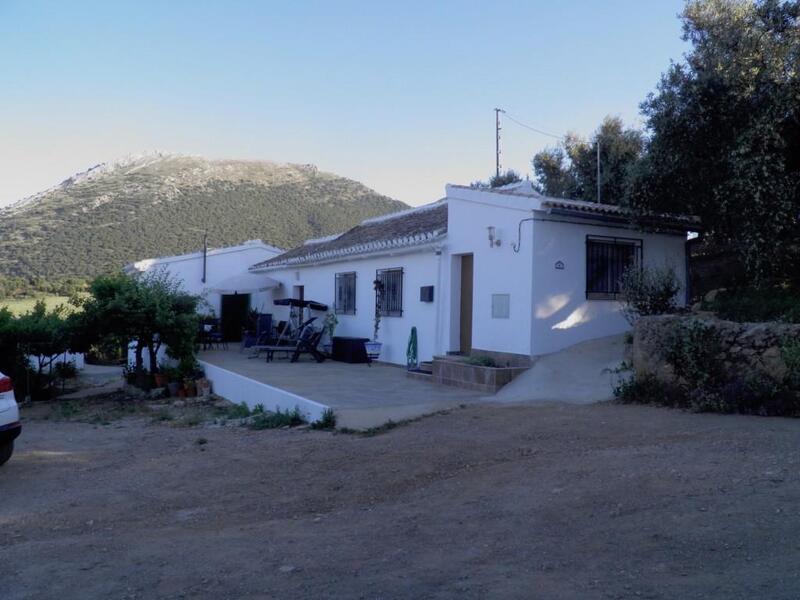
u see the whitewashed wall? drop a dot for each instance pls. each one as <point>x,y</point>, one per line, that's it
<point>562,316</point>
<point>419,269</point>
<point>496,270</point>
<point>221,264</point>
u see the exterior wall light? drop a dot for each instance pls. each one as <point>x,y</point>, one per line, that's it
<point>493,241</point>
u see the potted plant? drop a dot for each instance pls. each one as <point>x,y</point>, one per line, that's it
<point>331,321</point>
<point>173,377</point>
<point>373,348</point>
<point>160,379</point>
<point>190,387</point>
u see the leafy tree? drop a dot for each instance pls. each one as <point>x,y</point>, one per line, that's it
<point>510,176</point>
<point>34,338</point>
<point>570,169</point>
<point>553,174</point>
<point>725,131</point>
<point>495,181</point>
<point>150,310</point>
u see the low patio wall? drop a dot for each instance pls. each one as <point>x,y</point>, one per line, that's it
<point>237,389</point>
<point>451,371</point>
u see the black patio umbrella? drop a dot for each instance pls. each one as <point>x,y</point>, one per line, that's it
<point>297,303</point>
<point>301,304</point>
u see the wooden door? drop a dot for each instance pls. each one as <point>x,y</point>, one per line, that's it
<point>234,316</point>
<point>466,304</point>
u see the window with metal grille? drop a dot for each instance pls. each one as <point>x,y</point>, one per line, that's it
<point>606,260</point>
<point>389,292</point>
<point>345,294</point>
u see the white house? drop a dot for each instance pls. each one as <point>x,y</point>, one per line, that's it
<point>220,276</point>
<point>503,272</point>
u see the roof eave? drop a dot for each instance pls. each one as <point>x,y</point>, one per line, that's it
<point>386,250</point>
<point>649,222</point>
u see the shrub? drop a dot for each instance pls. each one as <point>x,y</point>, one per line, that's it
<point>757,305</point>
<point>481,361</point>
<point>648,291</point>
<point>289,418</point>
<point>328,420</point>
<point>648,390</point>
<point>790,353</point>
<point>66,370</point>
<point>693,351</point>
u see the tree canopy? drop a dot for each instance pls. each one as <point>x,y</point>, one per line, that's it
<point>569,170</point>
<point>150,310</point>
<point>724,129</point>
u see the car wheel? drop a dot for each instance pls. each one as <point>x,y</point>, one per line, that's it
<point>6,450</point>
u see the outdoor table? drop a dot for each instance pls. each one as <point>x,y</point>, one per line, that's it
<point>349,349</point>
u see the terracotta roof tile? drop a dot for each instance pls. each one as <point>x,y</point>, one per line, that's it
<point>404,229</point>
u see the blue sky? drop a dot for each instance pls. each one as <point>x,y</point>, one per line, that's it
<point>398,95</point>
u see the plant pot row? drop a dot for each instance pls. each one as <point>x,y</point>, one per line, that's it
<point>189,388</point>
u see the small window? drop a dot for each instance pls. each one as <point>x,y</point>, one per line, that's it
<point>501,306</point>
<point>606,260</point>
<point>345,294</point>
<point>389,292</point>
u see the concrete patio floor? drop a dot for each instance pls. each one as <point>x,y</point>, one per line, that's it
<point>362,396</point>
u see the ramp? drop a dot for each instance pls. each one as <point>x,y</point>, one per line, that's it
<point>577,375</point>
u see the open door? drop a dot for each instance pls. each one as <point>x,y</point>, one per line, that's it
<point>466,304</point>
<point>234,316</point>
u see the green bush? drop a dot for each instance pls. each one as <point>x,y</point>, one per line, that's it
<point>693,351</point>
<point>328,420</point>
<point>66,370</point>
<point>757,305</point>
<point>790,352</point>
<point>277,419</point>
<point>648,291</point>
<point>649,390</point>
<point>481,361</point>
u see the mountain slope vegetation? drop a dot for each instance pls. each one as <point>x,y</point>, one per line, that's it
<point>160,204</point>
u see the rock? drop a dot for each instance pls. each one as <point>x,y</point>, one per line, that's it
<point>712,295</point>
<point>746,348</point>
<point>179,403</point>
<point>157,393</point>
<point>287,569</point>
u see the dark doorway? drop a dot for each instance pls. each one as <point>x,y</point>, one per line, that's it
<point>466,304</point>
<point>234,316</point>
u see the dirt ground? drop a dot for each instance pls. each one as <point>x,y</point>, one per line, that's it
<point>600,501</point>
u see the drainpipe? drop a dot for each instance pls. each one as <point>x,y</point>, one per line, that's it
<point>437,298</point>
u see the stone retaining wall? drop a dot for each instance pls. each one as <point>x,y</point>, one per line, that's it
<point>746,347</point>
<point>455,372</point>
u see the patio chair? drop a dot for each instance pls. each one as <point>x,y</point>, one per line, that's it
<point>211,335</point>
<point>285,340</point>
<point>306,343</point>
<point>262,333</point>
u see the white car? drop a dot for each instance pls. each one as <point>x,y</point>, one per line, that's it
<point>10,427</point>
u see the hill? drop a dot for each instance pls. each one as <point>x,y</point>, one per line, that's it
<point>160,204</point>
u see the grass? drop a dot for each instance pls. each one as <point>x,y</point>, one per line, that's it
<point>19,306</point>
<point>390,425</point>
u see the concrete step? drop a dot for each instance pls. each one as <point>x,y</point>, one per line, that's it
<point>420,375</point>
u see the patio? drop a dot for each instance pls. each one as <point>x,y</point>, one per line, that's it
<point>362,396</point>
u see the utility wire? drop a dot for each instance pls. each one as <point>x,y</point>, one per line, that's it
<point>534,129</point>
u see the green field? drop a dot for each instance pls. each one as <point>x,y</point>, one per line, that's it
<point>23,305</point>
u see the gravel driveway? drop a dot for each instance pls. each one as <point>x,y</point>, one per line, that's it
<point>599,501</point>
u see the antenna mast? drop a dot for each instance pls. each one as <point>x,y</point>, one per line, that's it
<point>497,112</point>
